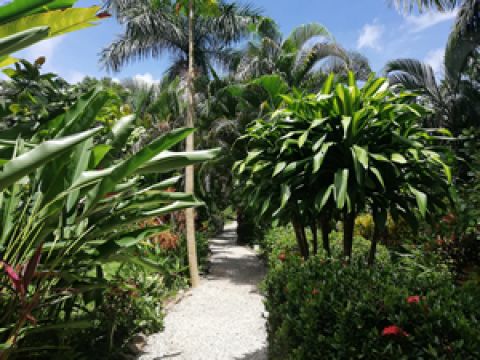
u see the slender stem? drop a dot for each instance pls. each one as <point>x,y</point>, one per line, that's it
<point>189,171</point>
<point>299,238</point>
<point>313,226</point>
<point>373,245</point>
<point>348,224</point>
<point>326,230</point>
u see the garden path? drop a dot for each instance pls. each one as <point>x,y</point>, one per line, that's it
<point>222,319</point>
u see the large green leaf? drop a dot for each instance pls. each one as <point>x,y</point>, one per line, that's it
<point>20,40</point>
<point>285,195</point>
<point>124,220</point>
<point>20,166</point>
<point>121,131</point>
<point>421,199</point>
<point>83,114</point>
<point>320,156</point>
<point>130,166</point>
<point>168,161</point>
<point>58,21</point>
<point>322,197</point>
<point>18,8</point>
<point>341,185</point>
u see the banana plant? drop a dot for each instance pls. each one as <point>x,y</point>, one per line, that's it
<point>327,156</point>
<point>63,197</point>
<point>25,22</point>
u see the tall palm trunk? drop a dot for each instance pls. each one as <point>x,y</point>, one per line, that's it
<point>189,171</point>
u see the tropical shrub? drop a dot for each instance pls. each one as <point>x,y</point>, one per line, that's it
<point>322,309</point>
<point>64,220</point>
<point>457,233</point>
<point>329,156</point>
<point>280,241</point>
<point>395,233</point>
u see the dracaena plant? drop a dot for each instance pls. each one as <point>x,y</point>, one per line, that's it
<point>327,156</point>
<point>68,207</point>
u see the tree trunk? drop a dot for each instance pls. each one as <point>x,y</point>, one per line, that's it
<point>326,230</point>
<point>189,171</point>
<point>301,241</point>
<point>348,225</point>
<point>313,226</point>
<point>373,245</point>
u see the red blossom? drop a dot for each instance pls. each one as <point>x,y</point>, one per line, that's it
<point>394,330</point>
<point>282,257</point>
<point>103,15</point>
<point>413,299</point>
<point>315,292</point>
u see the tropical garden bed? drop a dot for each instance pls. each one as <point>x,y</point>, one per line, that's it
<point>361,190</point>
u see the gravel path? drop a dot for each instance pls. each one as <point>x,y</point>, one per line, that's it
<point>222,318</point>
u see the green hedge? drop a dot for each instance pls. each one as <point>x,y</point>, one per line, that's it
<point>324,309</point>
<point>281,240</point>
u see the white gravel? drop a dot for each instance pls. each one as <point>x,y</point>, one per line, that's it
<point>222,319</point>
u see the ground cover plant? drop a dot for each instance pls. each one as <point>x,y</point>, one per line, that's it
<point>322,309</point>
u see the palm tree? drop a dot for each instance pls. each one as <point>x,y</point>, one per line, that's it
<point>298,58</point>
<point>197,44</point>
<point>441,5</point>
<point>464,38</point>
<point>151,32</point>
<point>454,99</point>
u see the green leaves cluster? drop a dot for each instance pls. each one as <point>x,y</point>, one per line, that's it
<point>25,22</point>
<point>341,151</point>
<point>64,195</point>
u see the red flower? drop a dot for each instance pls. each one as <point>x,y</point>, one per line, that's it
<point>394,330</point>
<point>315,292</point>
<point>282,257</point>
<point>413,299</point>
<point>103,15</point>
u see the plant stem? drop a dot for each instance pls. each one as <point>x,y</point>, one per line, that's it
<point>313,226</point>
<point>348,224</point>
<point>189,171</point>
<point>326,230</point>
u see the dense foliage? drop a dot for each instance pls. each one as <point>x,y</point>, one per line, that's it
<point>314,161</point>
<point>76,202</point>
<point>322,309</point>
<point>91,239</point>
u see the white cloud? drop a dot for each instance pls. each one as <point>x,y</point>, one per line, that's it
<point>116,80</point>
<point>43,48</point>
<point>436,59</point>
<point>370,36</point>
<point>146,78</point>
<point>75,77</point>
<point>417,23</point>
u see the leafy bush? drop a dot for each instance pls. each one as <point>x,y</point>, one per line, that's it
<point>395,233</point>
<point>71,202</point>
<point>330,156</point>
<point>323,309</point>
<point>280,241</point>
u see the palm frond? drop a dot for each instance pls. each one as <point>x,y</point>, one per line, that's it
<point>422,5</point>
<point>304,33</point>
<point>463,40</point>
<point>411,73</point>
<point>309,58</point>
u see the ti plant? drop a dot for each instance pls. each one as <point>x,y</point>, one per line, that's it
<point>26,22</point>
<point>327,156</point>
<point>69,205</point>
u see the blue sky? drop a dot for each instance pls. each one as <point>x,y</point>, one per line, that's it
<point>370,26</point>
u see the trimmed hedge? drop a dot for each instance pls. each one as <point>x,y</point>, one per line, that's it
<point>324,309</point>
